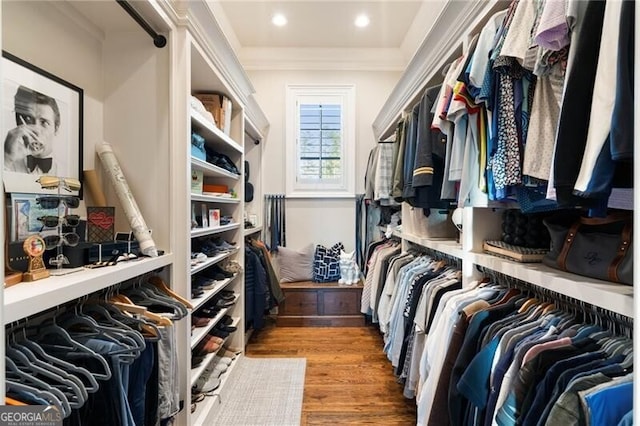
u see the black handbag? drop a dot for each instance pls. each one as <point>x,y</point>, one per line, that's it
<point>248,187</point>
<point>595,247</point>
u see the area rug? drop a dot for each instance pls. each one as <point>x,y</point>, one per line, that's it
<point>263,392</point>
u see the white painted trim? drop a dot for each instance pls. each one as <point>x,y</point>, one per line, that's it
<point>199,18</point>
<point>445,37</point>
<point>256,119</point>
<point>347,95</point>
<point>342,59</point>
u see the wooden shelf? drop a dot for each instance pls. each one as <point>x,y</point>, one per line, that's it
<point>198,302</point>
<point>199,370</point>
<point>29,298</point>
<point>211,402</point>
<point>450,247</point>
<point>211,170</point>
<point>213,199</point>
<point>254,230</point>
<point>201,232</point>
<point>607,295</point>
<point>212,261</point>
<point>211,133</point>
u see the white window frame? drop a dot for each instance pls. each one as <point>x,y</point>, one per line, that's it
<point>343,94</point>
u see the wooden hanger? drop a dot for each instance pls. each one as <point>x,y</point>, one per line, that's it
<point>124,303</point>
<point>160,284</point>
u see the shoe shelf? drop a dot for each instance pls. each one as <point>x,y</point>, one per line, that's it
<point>447,246</point>
<point>208,294</point>
<point>208,130</point>
<point>211,170</point>
<point>608,295</point>
<point>214,199</point>
<point>254,230</point>
<point>199,333</point>
<point>197,372</point>
<point>212,261</point>
<point>201,232</point>
<point>207,406</point>
<point>30,298</point>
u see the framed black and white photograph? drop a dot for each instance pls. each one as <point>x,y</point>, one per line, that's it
<point>41,124</point>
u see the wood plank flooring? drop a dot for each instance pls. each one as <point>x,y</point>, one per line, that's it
<point>349,380</point>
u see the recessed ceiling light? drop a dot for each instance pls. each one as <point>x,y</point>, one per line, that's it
<point>279,20</point>
<point>362,21</point>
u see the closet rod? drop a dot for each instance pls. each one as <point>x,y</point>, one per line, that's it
<point>552,295</point>
<point>158,39</point>
<point>436,254</point>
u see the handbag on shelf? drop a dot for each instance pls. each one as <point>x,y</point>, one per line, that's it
<point>595,247</point>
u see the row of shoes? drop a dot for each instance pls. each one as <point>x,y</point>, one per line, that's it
<point>211,247</point>
<point>214,339</point>
<point>211,377</point>
<point>203,321</point>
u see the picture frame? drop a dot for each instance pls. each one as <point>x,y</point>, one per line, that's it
<point>42,124</point>
<point>24,215</point>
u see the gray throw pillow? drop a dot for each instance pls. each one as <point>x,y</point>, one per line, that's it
<point>295,265</point>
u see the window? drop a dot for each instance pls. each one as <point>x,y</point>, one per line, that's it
<point>320,141</point>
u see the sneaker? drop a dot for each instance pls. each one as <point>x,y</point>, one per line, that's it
<point>223,360</point>
<point>221,303</point>
<point>227,328</point>
<point>209,312</point>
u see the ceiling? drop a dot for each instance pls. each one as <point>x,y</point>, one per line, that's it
<point>320,23</point>
<point>319,35</point>
<point>320,30</point>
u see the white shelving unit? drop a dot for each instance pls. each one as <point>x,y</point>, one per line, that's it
<point>209,131</point>
<point>211,170</point>
<point>212,261</point>
<point>29,298</point>
<point>137,98</point>
<point>202,232</point>
<point>256,126</point>
<point>253,231</point>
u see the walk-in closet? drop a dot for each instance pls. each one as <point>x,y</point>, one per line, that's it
<point>251,213</point>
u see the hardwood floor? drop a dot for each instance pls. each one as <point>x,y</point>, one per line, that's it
<point>349,380</point>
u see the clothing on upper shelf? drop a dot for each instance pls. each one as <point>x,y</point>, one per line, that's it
<point>526,112</point>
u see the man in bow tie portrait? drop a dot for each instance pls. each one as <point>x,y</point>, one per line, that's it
<point>28,147</point>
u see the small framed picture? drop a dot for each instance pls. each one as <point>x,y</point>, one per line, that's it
<point>214,217</point>
<point>253,219</point>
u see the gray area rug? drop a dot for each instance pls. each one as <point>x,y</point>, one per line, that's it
<point>263,392</point>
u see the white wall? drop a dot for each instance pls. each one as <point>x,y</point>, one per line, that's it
<point>319,221</point>
<point>65,45</point>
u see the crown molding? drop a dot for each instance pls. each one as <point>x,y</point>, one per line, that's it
<point>199,18</point>
<point>256,118</point>
<point>314,59</point>
<point>446,36</point>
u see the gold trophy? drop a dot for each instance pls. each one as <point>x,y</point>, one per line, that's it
<point>34,246</point>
